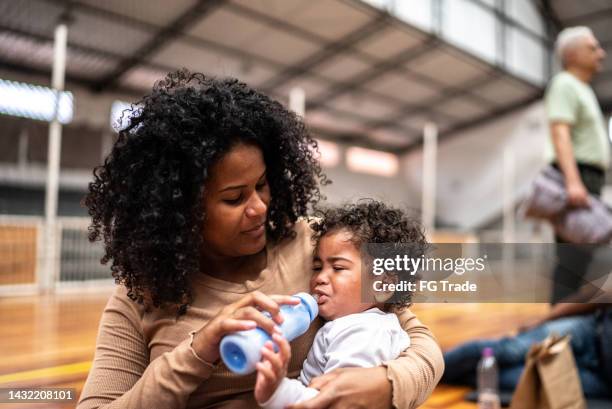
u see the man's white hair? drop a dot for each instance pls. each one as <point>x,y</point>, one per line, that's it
<point>568,37</point>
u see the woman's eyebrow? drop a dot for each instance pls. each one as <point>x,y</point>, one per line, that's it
<point>241,186</point>
<point>232,187</point>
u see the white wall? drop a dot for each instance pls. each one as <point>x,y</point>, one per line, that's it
<point>470,174</point>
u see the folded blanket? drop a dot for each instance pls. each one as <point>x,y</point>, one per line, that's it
<point>581,225</point>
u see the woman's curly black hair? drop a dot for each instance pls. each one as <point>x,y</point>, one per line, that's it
<point>146,200</point>
<point>371,224</point>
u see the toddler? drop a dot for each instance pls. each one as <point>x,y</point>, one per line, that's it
<point>359,332</point>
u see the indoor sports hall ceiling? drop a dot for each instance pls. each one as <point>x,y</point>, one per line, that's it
<point>368,77</point>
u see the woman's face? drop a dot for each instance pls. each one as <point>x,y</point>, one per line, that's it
<point>236,202</point>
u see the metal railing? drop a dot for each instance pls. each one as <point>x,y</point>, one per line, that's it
<point>24,267</point>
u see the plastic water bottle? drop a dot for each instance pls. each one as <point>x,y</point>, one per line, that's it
<point>241,350</point>
<point>488,395</point>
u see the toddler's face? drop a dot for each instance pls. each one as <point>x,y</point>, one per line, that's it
<point>336,276</point>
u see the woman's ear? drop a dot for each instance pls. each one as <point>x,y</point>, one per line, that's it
<point>384,296</point>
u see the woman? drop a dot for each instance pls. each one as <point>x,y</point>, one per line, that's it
<point>200,205</point>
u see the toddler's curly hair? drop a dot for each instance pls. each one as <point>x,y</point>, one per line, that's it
<point>372,223</point>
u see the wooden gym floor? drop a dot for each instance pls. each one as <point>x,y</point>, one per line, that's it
<point>50,340</point>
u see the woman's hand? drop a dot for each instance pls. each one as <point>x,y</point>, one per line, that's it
<point>366,388</point>
<point>242,315</point>
<point>272,369</point>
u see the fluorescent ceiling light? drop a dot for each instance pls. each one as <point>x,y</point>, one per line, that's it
<point>371,161</point>
<point>35,102</point>
<point>329,153</point>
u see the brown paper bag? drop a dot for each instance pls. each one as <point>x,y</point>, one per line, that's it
<point>550,379</point>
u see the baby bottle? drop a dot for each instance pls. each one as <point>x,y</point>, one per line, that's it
<point>241,350</point>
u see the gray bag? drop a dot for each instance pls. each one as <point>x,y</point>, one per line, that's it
<point>548,201</point>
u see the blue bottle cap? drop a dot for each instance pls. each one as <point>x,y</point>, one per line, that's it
<point>238,353</point>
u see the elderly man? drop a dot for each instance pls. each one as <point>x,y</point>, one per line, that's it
<point>581,147</point>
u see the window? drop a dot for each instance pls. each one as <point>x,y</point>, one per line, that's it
<point>471,27</point>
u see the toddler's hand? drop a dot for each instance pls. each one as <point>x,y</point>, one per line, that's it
<point>272,368</point>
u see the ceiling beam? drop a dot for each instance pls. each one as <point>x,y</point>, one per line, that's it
<point>588,18</point>
<point>90,83</point>
<point>184,22</point>
<point>269,21</point>
<point>205,44</point>
<point>449,133</point>
<point>356,138</point>
<point>276,23</point>
<point>71,78</point>
<point>430,104</point>
<point>240,53</point>
<point>273,23</point>
<point>328,52</point>
<point>151,28</point>
<point>341,113</point>
<point>136,94</point>
<point>365,57</point>
<point>80,48</point>
<point>357,81</point>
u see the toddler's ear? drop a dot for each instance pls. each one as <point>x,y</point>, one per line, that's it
<point>384,296</point>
